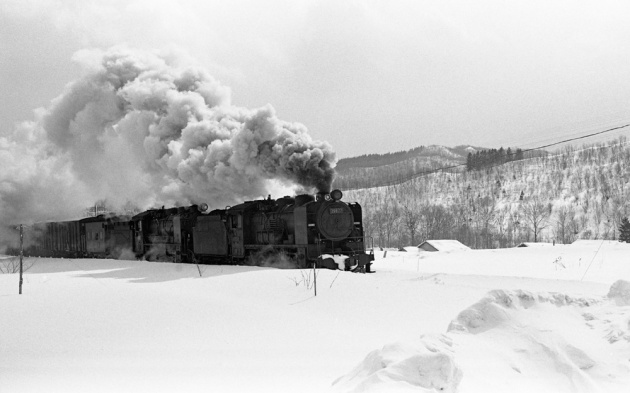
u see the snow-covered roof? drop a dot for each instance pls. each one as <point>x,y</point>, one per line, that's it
<point>445,245</point>
<point>530,244</point>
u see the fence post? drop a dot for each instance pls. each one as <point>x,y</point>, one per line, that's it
<point>315,278</point>
<point>21,253</point>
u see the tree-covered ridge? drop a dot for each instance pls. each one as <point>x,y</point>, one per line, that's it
<point>374,160</point>
<point>487,158</point>
<point>375,170</point>
<point>572,194</point>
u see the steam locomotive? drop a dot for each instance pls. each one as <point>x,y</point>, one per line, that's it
<point>307,230</point>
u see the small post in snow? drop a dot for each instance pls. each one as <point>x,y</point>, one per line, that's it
<point>315,278</point>
<point>21,253</point>
<point>199,270</point>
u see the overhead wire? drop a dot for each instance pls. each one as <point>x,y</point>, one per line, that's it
<point>569,130</point>
<point>455,166</point>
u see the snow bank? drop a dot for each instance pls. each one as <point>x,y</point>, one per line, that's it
<point>492,310</point>
<point>135,326</point>
<point>620,292</point>
<point>425,366</point>
<point>600,243</point>
<point>585,262</point>
<point>563,340</point>
<point>512,340</point>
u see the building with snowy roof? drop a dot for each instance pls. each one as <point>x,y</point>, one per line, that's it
<point>529,244</point>
<point>442,245</point>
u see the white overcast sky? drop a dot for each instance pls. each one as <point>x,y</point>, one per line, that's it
<point>366,76</point>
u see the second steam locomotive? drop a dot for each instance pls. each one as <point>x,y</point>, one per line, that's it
<point>321,230</point>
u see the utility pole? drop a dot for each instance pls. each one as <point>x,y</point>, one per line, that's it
<point>21,253</point>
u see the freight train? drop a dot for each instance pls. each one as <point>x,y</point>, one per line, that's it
<point>320,230</point>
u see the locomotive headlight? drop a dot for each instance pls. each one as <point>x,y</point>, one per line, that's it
<point>336,195</point>
<point>203,207</point>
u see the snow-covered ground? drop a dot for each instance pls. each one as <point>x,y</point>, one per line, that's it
<point>545,319</point>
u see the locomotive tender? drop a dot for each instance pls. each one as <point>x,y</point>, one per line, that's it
<point>307,229</point>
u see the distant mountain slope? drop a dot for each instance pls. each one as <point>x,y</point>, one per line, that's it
<point>371,170</point>
<point>573,193</point>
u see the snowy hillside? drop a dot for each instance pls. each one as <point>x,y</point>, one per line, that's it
<point>545,319</point>
<point>374,170</point>
<point>572,194</point>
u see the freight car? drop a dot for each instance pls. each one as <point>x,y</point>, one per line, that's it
<point>305,229</point>
<point>92,237</point>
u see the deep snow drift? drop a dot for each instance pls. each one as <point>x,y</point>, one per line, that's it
<point>550,319</point>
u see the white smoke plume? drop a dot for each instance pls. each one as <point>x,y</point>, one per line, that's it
<point>141,127</point>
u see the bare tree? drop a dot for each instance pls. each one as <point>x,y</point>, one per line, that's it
<point>385,218</point>
<point>562,229</point>
<point>437,221</point>
<point>391,214</point>
<point>502,224</point>
<point>486,213</point>
<point>11,265</point>
<point>379,227</point>
<point>536,215</point>
<point>411,219</point>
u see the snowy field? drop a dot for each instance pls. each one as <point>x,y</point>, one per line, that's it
<point>544,319</point>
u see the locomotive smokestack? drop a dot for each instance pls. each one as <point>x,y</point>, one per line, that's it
<point>146,128</point>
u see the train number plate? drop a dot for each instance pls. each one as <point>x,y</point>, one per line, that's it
<point>335,210</point>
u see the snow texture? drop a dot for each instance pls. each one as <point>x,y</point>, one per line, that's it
<point>544,319</point>
<point>620,292</point>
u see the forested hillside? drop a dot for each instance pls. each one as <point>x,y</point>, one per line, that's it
<point>575,193</point>
<point>375,170</point>
<point>393,168</point>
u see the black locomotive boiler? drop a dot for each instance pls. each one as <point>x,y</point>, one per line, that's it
<point>304,228</point>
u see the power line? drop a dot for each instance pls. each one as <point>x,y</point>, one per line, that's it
<point>543,136</point>
<point>589,265</point>
<point>581,137</point>
<point>450,167</point>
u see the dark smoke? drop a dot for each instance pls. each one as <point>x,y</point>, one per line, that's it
<point>144,128</point>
